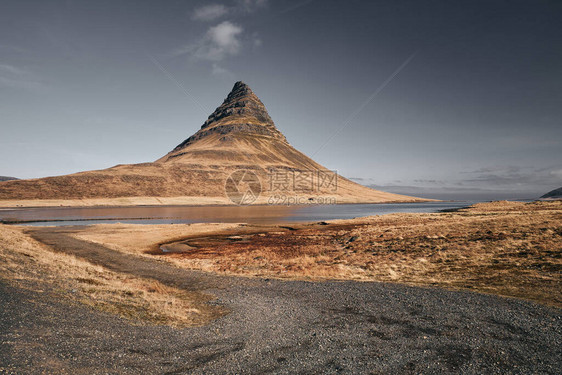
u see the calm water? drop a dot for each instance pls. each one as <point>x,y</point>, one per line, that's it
<point>228,214</point>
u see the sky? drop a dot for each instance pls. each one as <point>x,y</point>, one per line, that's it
<point>441,99</point>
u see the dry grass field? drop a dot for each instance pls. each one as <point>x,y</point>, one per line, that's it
<point>167,184</point>
<point>28,263</point>
<point>505,248</point>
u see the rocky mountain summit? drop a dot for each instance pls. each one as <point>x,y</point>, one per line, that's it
<point>239,132</point>
<point>241,111</point>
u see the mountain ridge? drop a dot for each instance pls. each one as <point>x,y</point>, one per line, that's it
<point>238,135</point>
<point>553,194</point>
<point>7,178</point>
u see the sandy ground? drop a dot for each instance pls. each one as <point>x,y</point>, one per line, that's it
<point>175,201</point>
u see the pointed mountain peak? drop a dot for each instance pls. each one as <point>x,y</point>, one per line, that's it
<point>241,86</point>
<point>241,93</point>
<point>241,112</point>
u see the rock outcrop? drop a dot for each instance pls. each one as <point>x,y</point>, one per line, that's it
<point>241,111</point>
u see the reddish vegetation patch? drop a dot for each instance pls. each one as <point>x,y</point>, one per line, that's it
<point>506,248</point>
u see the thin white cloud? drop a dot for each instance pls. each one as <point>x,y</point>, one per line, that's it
<point>219,70</point>
<point>225,35</point>
<point>212,12</point>
<point>223,40</point>
<point>13,49</point>
<point>296,6</point>
<point>490,182</point>
<point>16,77</point>
<point>209,12</point>
<point>19,84</point>
<point>10,69</point>
<point>557,173</point>
<point>256,40</point>
<point>251,5</point>
<point>219,42</point>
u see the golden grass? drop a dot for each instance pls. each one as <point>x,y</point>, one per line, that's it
<point>505,248</point>
<point>26,262</point>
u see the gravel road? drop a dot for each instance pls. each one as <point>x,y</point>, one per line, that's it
<point>285,327</point>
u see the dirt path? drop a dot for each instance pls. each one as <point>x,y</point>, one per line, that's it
<point>278,327</point>
<point>164,272</point>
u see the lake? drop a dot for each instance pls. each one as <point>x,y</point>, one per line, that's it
<point>206,214</point>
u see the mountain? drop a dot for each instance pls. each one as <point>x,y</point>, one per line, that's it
<point>6,178</point>
<point>554,194</point>
<point>237,156</point>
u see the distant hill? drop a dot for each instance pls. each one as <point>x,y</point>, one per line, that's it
<point>238,135</point>
<point>554,194</point>
<point>6,178</point>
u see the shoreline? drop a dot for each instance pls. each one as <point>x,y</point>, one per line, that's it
<point>171,201</point>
